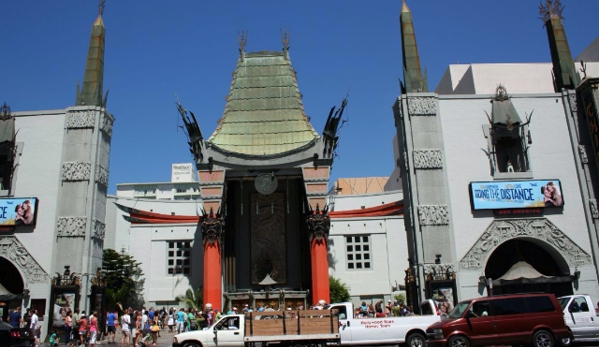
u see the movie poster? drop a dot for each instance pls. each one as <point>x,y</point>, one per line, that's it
<point>63,304</point>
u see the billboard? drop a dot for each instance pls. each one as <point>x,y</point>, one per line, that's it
<point>516,194</point>
<point>18,211</point>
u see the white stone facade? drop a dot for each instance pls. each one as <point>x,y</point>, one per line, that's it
<point>62,160</point>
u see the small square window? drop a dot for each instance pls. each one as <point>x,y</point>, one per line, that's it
<point>358,252</point>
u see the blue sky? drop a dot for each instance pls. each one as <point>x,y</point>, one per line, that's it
<point>155,49</point>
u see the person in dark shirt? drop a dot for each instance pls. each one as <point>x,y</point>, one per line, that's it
<point>15,318</point>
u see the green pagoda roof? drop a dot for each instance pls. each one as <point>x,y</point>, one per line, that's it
<point>264,114</point>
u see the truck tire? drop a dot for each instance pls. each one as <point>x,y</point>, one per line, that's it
<point>416,340</point>
<point>192,344</point>
<point>458,341</point>
<point>542,338</point>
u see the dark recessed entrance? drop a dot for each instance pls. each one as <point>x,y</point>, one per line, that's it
<point>557,281</point>
<point>11,287</point>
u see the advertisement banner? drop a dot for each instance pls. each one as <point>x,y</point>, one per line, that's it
<point>516,194</point>
<point>18,211</point>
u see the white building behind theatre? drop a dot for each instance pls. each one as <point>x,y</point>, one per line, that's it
<point>366,252</point>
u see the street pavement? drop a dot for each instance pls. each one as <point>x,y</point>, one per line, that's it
<point>165,340</point>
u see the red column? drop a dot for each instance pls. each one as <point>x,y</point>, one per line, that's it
<point>319,257</point>
<point>213,292</point>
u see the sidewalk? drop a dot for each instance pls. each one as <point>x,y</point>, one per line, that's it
<point>165,340</point>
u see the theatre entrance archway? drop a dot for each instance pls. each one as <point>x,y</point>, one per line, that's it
<point>528,265</point>
<point>11,287</point>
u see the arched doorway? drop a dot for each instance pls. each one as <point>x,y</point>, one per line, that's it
<point>535,254</point>
<point>11,287</point>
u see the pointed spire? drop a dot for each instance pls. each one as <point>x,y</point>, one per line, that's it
<point>564,72</point>
<point>411,60</point>
<point>91,91</point>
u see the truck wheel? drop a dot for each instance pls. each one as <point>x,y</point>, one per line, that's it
<point>192,344</point>
<point>416,340</point>
<point>459,341</point>
<point>542,338</point>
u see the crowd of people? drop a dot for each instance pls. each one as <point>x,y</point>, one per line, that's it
<point>379,309</point>
<point>142,327</point>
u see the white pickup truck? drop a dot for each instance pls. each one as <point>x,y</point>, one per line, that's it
<point>580,317</point>
<point>333,326</point>
<point>409,330</point>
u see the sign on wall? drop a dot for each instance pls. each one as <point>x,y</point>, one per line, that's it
<point>532,194</point>
<point>182,173</point>
<point>18,211</point>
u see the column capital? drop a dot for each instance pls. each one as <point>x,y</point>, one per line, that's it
<point>213,228</point>
<point>319,224</point>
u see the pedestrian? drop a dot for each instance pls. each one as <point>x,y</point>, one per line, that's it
<point>171,320</point>
<point>111,329</point>
<point>93,328</point>
<point>125,328</point>
<point>180,321</point>
<point>54,339</point>
<point>34,327</point>
<point>68,326</point>
<point>154,329</point>
<point>15,318</point>
<point>82,327</point>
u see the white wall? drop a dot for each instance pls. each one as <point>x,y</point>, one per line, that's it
<point>551,157</point>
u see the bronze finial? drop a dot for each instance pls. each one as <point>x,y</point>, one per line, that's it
<point>551,9</point>
<point>242,37</point>
<point>285,34</point>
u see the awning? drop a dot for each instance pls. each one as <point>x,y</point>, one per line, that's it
<point>523,273</point>
<point>5,295</point>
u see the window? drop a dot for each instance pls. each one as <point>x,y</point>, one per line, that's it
<point>508,306</point>
<point>508,139</point>
<point>179,257</point>
<point>358,252</point>
<point>539,304</point>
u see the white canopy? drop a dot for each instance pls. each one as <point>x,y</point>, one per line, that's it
<point>520,270</point>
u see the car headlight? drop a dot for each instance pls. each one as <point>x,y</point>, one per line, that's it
<point>436,334</point>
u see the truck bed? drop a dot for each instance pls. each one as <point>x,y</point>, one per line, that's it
<point>291,325</point>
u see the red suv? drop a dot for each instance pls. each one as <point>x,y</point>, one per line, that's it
<point>514,319</point>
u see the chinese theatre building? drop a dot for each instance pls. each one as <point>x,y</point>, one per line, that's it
<point>263,176</point>
<point>520,213</point>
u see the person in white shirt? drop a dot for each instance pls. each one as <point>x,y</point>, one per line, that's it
<point>34,326</point>
<point>126,328</point>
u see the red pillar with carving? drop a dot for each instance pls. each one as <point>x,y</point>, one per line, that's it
<point>320,270</point>
<point>319,224</point>
<point>212,231</point>
<point>213,292</point>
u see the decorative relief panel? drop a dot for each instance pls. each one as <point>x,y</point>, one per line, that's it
<point>422,106</point>
<point>439,272</point>
<point>594,209</point>
<point>106,124</point>
<point>582,150</point>
<point>71,226</point>
<point>428,159</point>
<point>102,175</point>
<point>81,119</point>
<point>539,228</point>
<point>99,229</point>
<point>76,171</point>
<point>13,250</point>
<point>433,215</point>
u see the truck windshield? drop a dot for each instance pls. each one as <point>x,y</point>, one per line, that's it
<point>563,302</point>
<point>459,309</point>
